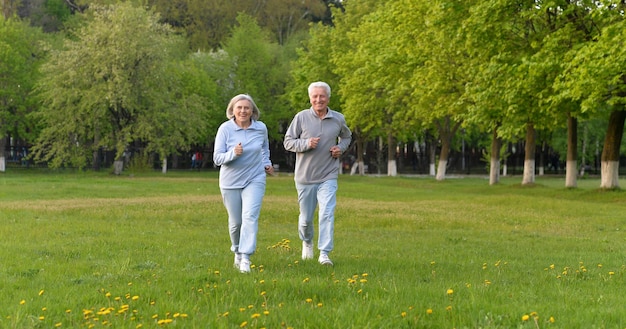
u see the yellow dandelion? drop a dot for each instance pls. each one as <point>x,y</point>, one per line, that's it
<point>552,266</point>
<point>262,282</point>
<point>611,273</point>
<point>403,314</point>
<point>135,298</point>
<point>263,293</point>
<point>22,302</point>
<point>309,300</point>
<point>216,272</point>
<point>551,319</point>
<point>266,312</point>
<point>320,304</point>
<point>305,280</point>
<point>225,313</point>
<point>58,324</point>
<point>363,280</point>
<point>44,308</point>
<point>449,291</point>
<point>432,263</point>
<point>184,315</point>
<point>68,311</point>
<point>41,318</point>
<point>130,283</point>
<point>449,308</point>
<point>364,275</point>
<point>139,326</point>
<point>40,292</point>
<point>255,315</point>
<point>243,324</point>
<point>156,316</point>
<point>250,306</point>
<point>429,311</point>
<point>525,317</point>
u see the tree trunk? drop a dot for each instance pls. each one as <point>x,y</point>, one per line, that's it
<point>359,154</point>
<point>392,169</point>
<point>610,154</point>
<point>494,168</point>
<point>432,154</point>
<point>444,154</point>
<point>3,146</point>
<point>164,165</point>
<point>542,159</point>
<point>529,158</point>
<point>572,149</point>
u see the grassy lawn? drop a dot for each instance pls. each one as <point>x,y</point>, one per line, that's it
<point>152,250</point>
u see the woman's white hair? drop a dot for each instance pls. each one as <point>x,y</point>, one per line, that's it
<point>256,113</point>
<point>319,84</point>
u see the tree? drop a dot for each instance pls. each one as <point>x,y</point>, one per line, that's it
<point>20,57</point>
<point>595,76</point>
<point>373,80</point>
<point>255,68</point>
<point>113,85</point>
<point>9,7</point>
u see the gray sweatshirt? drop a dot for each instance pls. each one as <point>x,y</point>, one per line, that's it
<point>316,165</point>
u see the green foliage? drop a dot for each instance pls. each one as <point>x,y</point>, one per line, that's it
<point>114,84</point>
<point>20,57</point>
<point>257,67</point>
<point>84,249</point>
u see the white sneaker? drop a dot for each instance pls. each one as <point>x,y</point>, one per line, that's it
<point>244,266</point>
<point>324,260</point>
<point>237,260</point>
<point>307,250</point>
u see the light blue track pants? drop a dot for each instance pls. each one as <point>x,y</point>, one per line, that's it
<point>310,196</point>
<point>244,207</point>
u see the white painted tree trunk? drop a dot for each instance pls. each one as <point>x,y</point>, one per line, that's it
<point>609,174</point>
<point>529,172</point>
<point>494,171</point>
<point>541,170</point>
<point>3,165</point>
<point>358,166</point>
<point>118,166</point>
<point>392,169</point>
<point>441,170</point>
<point>432,171</point>
<point>164,166</point>
<point>570,173</point>
<point>504,170</point>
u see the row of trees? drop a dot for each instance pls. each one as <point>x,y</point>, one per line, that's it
<point>513,69</point>
<point>117,76</point>
<point>401,70</point>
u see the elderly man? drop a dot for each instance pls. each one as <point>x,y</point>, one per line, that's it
<point>318,136</point>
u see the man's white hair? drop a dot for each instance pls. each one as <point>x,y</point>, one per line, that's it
<point>319,84</point>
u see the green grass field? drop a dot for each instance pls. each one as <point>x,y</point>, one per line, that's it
<point>94,250</point>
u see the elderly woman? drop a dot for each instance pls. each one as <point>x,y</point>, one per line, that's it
<point>242,152</point>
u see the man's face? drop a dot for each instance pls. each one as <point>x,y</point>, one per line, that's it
<point>319,99</point>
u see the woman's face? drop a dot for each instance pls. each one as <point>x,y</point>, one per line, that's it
<point>242,111</point>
